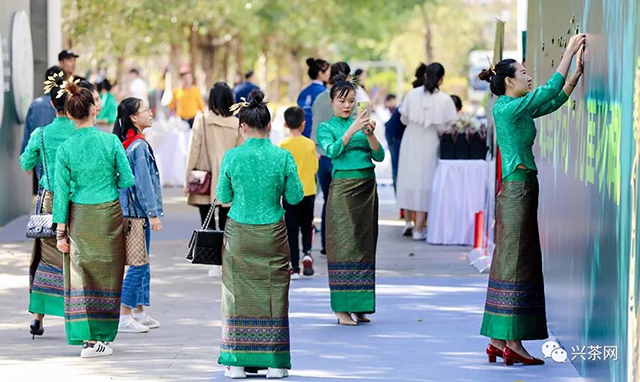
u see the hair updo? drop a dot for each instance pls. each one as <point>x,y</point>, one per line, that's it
<point>316,65</point>
<point>339,68</point>
<point>504,69</point>
<point>341,87</point>
<point>256,115</point>
<point>58,102</point>
<point>432,76</point>
<point>79,101</point>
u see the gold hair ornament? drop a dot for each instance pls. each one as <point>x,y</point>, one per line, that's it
<point>491,66</point>
<point>235,108</point>
<point>355,81</point>
<point>63,87</point>
<point>51,81</point>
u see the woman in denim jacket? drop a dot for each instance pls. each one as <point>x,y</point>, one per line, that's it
<point>134,116</point>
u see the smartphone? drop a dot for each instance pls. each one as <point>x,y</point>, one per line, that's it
<point>363,106</point>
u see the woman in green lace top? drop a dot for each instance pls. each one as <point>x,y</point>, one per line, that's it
<point>255,177</point>
<point>515,304</point>
<point>352,206</point>
<point>46,281</point>
<point>91,167</point>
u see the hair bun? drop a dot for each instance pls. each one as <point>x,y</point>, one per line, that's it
<point>486,75</point>
<point>339,77</point>
<point>256,98</point>
<point>71,86</point>
<point>311,61</point>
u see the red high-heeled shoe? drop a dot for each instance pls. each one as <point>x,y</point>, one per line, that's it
<point>511,356</point>
<point>493,352</point>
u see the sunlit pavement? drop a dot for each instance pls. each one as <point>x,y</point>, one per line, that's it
<point>428,315</point>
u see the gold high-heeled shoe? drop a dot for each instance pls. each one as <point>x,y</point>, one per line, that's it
<point>345,319</point>
<point>360,317</point>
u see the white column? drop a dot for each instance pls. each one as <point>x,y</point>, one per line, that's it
<point>523,10</point>
<point>54,31</point>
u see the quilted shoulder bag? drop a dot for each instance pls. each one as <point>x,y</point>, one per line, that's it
<point>205,246</point>
<point>200,180</point>
<point>135,236</point>
<point>41,226</point>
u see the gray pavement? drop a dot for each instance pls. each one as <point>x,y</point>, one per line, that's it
<point>429,311</point>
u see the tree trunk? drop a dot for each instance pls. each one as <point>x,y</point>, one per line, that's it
<point>120,72</point>
<point>296,75</point>
<point>225,64</point>
<point>194,48</point>
<point>239,56</point>
<point>428,35</point>
<point>174,60</point>
<point>428,44</point>
<point>209,53</point>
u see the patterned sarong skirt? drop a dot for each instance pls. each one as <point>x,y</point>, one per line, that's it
<point>46,279</point>
<point>352,236</point>
<point>255,296</point>
<point>515,304</point>
<point>93,272</point>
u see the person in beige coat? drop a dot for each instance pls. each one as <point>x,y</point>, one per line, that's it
<point>214,133</point>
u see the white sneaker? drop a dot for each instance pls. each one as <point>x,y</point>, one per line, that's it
<point>147,321</point>
<point>295,275</point>
<point>99,349</point>
<point>277,373</point>
<point>129,325</point>
<point>235,372</point>
<point>408,229</point>
<point>420,235</point>
<point>215,271</point>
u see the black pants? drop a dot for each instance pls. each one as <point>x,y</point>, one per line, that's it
<point>190,121</point>
<point>324,178</point>
<point>299,218</point>
<point>222,215</point>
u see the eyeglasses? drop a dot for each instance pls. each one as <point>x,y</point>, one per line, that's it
<point>144,111</point>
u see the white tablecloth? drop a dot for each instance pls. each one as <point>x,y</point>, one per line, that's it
<point>459,192</point>
<point>170,146</point>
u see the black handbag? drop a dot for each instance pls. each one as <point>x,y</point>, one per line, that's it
<point>41,226</point>
<point>205,246</point>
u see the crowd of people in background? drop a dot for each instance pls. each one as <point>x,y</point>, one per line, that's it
<point>94,183</point>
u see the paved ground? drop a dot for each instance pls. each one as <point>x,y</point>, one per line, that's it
<point>429,311</point>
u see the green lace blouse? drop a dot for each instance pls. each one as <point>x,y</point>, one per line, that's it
<point>255,177</point>
<point>96,164</point>
<point>515,128</point>
<point>357,155</point>
<point>55,134</point>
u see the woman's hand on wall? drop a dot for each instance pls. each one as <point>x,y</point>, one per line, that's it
<point>576,42</point>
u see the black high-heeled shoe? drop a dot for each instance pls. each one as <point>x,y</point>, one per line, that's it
<point>36,328</point>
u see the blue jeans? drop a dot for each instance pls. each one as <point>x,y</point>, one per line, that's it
<point>135,288</point>
<point>394,149</point>
<point>325,168</point>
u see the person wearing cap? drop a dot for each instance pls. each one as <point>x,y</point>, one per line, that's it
<point>67,61</point>
<point>187,100</point>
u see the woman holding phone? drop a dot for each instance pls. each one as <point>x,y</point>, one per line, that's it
<point>515,305</point>
<point>352,206</point>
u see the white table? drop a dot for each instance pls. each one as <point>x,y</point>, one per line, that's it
<point>170,145</point>
<point>459,192</point>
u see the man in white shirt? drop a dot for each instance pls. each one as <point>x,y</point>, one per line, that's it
<point>137,86</point>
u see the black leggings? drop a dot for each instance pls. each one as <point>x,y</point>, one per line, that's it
<point>222,215</point>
